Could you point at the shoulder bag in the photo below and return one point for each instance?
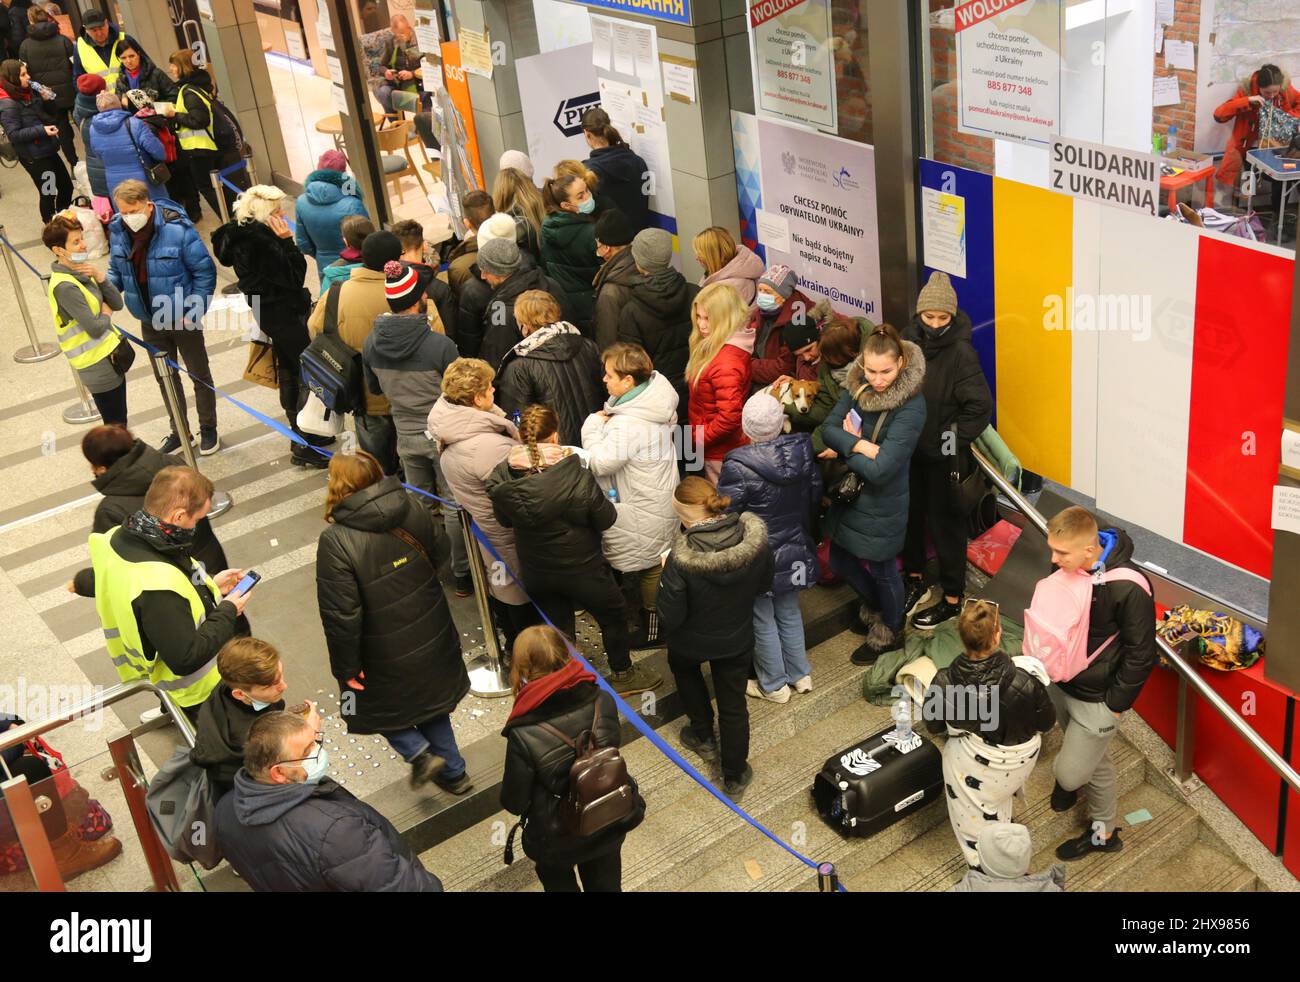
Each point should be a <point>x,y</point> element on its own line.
<point>159,173</point>
<point>848,487</point>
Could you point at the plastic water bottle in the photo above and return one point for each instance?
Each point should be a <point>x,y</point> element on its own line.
<point>1171,140</point>
<point>1157,143</point>
<point>514,418</point>
<point>612,494</point>
<point>902,713</point>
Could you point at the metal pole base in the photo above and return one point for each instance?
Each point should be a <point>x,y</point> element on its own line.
<point>487,679</point>
<point>221,503</point>
<point>28,354</point>
<point>79,413</point>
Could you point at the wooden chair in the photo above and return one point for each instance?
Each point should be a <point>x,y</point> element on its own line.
<point>395,154</point>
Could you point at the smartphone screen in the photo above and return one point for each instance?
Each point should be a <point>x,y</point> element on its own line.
<point>855,418</point>
<point>250,580</point>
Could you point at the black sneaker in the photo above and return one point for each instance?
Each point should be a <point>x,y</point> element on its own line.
<point>694,743</point>
<point>1062,800</point>
<point>646,633</point>
<point>209,442</point>
<point>457,786</point>
<point>932,617</point>
<point>425,767</point>
<point>307,457</point>
<point>172,444</point>
<point>465,586</point>
<point>917,593</point>
<point>1084,845</point>
<point>734,787</point>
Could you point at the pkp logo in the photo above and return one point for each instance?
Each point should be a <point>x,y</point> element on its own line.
<point>568,118</point>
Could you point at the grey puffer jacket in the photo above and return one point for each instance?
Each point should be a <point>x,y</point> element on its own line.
<point>633,453</point>
<point>1050,880</point>
<point>471,443</point>
<point>405,361</point>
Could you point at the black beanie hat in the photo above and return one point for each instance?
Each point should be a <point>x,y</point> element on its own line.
<point>380,248</point>
<point>613,228</point>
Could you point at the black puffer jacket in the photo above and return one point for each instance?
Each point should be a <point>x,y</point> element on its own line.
<point>557,514</point>
<point>48,54</point>
<point>557,369</point>
<point>1117,675</point>
<point>658,317</point>
<point>622,179</point>
<point>707,590</point>
<point>1023,706</point>
<point>613,286</point>
<point>301,838</point>
<point>384,612</point>
<point>221,735</point>
<point>956,392</point>
<point>124,486</point>
<point>271,269</point>
<point>494,331</point>
<point>151,78</point>
<point>537,771</point>
<point>24,122</point>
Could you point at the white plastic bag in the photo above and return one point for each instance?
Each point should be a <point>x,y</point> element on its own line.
<point>93,232</point>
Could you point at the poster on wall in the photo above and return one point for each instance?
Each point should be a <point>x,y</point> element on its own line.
<point>555,89</point>
<point>943,225</point>
<point>795,74</point>
<point>1009,69</point>
<point>458,90</point>
<point>819,200</point>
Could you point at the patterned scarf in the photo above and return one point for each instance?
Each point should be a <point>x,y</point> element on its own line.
<point>161,535</point>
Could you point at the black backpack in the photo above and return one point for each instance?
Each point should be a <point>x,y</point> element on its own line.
<point>330,368</point>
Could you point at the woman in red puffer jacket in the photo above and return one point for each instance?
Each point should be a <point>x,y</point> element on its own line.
<point>1268,84</point>
<point>718,373</point>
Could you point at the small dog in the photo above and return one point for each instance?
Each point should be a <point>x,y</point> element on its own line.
<point>798,393</point>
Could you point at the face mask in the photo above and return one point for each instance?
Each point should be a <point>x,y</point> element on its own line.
<point>316,768</point>
<point>136,221</point>
<point>78,257</point>
<point>258,705</point>
<point>767,302</point>
<point>587,207</point>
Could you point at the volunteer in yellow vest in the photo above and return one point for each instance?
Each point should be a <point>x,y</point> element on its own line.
<point>164,616</point>
<point>96,50</point>
<point>192,115</point>
<point>81,297</point>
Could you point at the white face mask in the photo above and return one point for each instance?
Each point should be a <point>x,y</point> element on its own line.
<point>136,221</point>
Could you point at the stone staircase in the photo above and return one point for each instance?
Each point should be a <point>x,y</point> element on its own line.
<point>690,841</point>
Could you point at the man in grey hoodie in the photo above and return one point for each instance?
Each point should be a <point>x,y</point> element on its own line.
<point>1005,851</point>
<point>286,827</point>
<point>405,361</point>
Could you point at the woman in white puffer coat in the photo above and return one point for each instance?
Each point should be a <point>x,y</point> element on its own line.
<point>632,452</point>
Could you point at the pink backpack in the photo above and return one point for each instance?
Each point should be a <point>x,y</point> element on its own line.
<point>1056,621</point>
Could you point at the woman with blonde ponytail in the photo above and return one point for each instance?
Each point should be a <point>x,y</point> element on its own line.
<point>717,565</point>
<point>545,493</point>
<point>718,373</point>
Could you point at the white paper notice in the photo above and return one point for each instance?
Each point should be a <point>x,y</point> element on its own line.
<point>340,99</point>
<point>943,221</point>
<point>336,69</point>
<point>426,36</point>
<point>1286,509</point>
<point>431,76</point>
<point>624,49</point>
<point>1291,449</point>
<point>1164,11</point>
<point>1160,37</point>
<point>323,33</point>
<point>643,39</point>
<point>602,40</point>
<point>293,41</point>
<point>1180,54</point>
<point>616,100</point>
<point>773,230</point>
<point>1166,91</point>
<point>679,81</point>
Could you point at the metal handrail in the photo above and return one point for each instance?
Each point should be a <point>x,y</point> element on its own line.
<point>93,705</point>
<point>1188,675</point>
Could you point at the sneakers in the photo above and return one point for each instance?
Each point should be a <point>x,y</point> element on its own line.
<point>209,442</point>
<point>781,695</point>
<point>1086,845</point>
<point>425,767</point>
<point>1062,800</point>
<point>696,744</point>
<point>646,633</point>
<point>465,586</point>
<point>917,594</point>
<point>734,787</point>
<point>457,786</point>
<point>173,443</point>
<point>879,640</point>
<point>803,685</point>
<point>301,456</point>
<point>932,617</point>
<point>149,715</point>
<point>636,679</point>
<point>74,856</point>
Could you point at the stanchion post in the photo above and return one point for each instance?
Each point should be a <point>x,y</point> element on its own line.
<point>38,350</point>
<point>827,879</point>
<point>230,289</point>
<point>221,501</point>
<point>487,678</point>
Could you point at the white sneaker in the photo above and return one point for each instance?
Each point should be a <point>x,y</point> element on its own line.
<point>781,695</point>
<point>149,715</point>
<point>804,684</point>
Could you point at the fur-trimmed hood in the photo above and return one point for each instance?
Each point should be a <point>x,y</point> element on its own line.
<point>720,550</point>
<point>907,384</point>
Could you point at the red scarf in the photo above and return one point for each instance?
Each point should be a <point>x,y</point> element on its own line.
<point>18,93</point>
<point>538,691</point>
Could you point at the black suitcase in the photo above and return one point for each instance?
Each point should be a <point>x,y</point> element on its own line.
<point>873,784</point>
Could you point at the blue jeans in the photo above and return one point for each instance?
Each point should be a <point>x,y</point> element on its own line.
<point>780,657</point>
<point>433,734</point>
<point>880,585</point>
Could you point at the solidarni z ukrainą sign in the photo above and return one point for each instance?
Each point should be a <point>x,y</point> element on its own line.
<point>1111,175</point>
<point>677,11</point>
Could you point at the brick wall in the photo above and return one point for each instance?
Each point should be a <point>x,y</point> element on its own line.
<point>950,146</point>
<point>1186,27</point>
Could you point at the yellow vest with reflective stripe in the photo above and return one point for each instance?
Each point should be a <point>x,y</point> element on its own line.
<point>94,64</point>
<point>195,139</point>
<point>82,350</point>
<point>118,582</point>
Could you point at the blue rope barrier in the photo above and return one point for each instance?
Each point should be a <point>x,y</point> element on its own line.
<point>628,712</point>
<point>21,257</point>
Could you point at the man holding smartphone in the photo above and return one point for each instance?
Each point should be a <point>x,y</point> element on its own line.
<point>164,616</point>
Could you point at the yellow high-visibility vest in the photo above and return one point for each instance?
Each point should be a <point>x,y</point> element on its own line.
<point>195,139</point>
<point>94,64</point>
<point>82,350</point>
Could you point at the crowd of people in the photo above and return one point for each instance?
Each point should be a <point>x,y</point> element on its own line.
<point>627,445</point>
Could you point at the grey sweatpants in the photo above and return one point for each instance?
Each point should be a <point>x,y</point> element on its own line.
<point>1084,760</point>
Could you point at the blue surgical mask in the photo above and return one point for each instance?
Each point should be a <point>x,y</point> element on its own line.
<point>587,207</point>
<point>767,302</point>
<point>258,705</point>
<point>316,767</point>
<point>78,257</point>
